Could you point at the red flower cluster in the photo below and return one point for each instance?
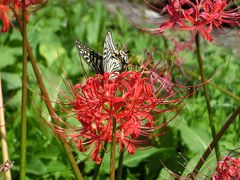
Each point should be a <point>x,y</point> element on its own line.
<point>228,168</point>
<point>6,7</point>
<point>197,15</point>
<point>131,99</point>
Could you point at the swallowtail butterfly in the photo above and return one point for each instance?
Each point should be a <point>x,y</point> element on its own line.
<point>112,60</point>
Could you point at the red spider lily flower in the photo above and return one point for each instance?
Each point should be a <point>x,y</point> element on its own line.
<point>7,7</point>
<point>200,16</point>
<point>131,99</point>
<point>4,10</point>
<point>228,168</point>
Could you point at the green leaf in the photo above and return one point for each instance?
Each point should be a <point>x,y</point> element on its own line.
<point>50,153</point>
<point>132,160</point>
<point>13,80</point>
<point>54,166</point>
<point>15,36</point>
<point>196,139</point>
<point>52,52</point>
<point>165,174</point>
<point>8,56</point>
<point>209,165</point>
<point>15,100</point>
<point>95,26</point>
<point>36,166</point>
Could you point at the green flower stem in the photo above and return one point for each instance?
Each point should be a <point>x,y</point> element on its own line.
<point>49,105</point>
<point>214,142</point>
<point>23,142</point>
<point>99,165</point>
<point>220,88</point>
<point>206,95</point>
<point>3,133</point>
<point>120,165</point>
<point>113,150</point>
<point>47,101</point>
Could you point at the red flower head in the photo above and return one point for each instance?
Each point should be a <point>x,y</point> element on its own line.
<point>131,99</point>
<point>197,15</point>
<point>4,10</point>
<point>7,7</point>
<point>228,168</point>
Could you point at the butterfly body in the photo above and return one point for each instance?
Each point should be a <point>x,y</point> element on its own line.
<point>112,60</point>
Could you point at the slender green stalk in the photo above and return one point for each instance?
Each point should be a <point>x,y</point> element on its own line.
<point>49,105</point>
<point>3,133</point>
<point>24,98</point>
<point>213,143</point>
<point>47,101</point>
<point>113,150</point>
<point>120,165</point>
<point>97,168</point>
<point>206,95</point>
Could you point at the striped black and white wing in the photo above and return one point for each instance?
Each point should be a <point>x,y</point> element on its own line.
<point>93,59</point>
<point>108,50</point>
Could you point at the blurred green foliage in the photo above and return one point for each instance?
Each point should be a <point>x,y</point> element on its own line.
<point>52,31</point>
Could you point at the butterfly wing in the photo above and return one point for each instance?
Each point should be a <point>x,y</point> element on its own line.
<point>109,63</point>
<point>93,59</point>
